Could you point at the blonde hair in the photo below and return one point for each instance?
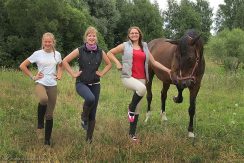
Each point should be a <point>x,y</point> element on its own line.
<point>89,30</point>
<point>48,34</point>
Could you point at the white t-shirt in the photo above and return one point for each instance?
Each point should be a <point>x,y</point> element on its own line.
<point>46,63</point>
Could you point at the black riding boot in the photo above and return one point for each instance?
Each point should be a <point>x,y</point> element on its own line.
<point>135,100</point>
<point>133,125</point>
<point>48,131</point>
<point>85,117</point>
<point>90,130</point>
<point>41,111</point>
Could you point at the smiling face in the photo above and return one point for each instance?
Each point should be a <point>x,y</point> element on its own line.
<point>91,38</point>
<point>48,42</point>
<point>134,35</point>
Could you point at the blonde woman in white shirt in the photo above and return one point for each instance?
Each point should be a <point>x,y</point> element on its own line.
<point>47,60</point>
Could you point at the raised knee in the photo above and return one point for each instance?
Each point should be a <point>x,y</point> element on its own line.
<point>43,101</point>
<point>142,91</point>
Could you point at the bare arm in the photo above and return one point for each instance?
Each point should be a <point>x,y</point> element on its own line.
<point>158,65</point>
<point>74,54</point>
<point>111,55</point>
<point>60,71</point>
<point>24,67</point>
<point>107,67</point>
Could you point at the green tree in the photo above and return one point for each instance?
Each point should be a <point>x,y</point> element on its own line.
<point>227,48</point>
<point>230,15</point>
<point>139,13</point>
<point>182,18</point>
<point>148,17</point>
<point>187,15</point>
<point>27,20</point>
<point>206,14</point>
<point>105,16</point>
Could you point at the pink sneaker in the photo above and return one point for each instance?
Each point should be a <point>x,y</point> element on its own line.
<point>131,118</point>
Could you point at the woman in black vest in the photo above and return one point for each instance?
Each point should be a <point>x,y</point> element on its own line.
<point>88,77</point>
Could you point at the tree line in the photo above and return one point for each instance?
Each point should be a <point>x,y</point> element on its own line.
<point>22,22</point>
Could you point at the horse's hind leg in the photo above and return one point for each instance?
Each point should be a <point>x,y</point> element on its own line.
<point>149,94</point>
<point>179,98</point>
<point>163,100</point>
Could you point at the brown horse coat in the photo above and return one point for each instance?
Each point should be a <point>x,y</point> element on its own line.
<point>185,59</point>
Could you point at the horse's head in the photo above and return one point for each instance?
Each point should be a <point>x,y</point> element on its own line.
<point>189,49</point>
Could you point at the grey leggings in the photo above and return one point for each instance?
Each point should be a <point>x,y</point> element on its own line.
<point>47,95</point>
<point>137,85</point>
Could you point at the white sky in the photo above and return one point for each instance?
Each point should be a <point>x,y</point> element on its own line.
<point>213,4</point>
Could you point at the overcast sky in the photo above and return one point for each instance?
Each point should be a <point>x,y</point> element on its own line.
<point>213,4</point>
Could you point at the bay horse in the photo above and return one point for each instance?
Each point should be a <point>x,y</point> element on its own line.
<point>185,59</point>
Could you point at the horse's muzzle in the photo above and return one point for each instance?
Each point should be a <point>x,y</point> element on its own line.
<point>186,82</point>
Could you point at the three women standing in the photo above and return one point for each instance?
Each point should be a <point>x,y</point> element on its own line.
<point>135,58</point>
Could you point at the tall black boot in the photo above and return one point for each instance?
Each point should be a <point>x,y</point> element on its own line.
<point>132,131</point>
<point>41,111</point>
<point>48,131</point>
<point>85,117</point>
<point>135,100</point>
<point>90,130</point>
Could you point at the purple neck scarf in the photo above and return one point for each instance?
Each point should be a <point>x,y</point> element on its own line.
<point>91,47</point>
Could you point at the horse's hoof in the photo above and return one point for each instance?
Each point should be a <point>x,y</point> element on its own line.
<point>177,99</point>
<point>163,116</point>
<point>148,114</point>
<point>191,135</point>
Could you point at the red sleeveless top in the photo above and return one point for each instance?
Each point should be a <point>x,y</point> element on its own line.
<point>138,64</point>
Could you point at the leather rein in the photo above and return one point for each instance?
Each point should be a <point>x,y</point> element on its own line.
<point>191,76</point>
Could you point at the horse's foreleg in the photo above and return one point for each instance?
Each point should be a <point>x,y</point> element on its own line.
<point>179,98</point>
<point>149,95</point>
<point>192,108</point>
<point>163,100</point>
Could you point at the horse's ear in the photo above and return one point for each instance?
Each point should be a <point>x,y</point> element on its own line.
<point>176,42</point>
<point>193,41</point>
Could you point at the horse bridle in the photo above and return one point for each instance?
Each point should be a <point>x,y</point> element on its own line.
<point>190,77</point>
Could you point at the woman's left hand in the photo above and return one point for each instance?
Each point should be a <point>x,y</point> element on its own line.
<point>99,73</point>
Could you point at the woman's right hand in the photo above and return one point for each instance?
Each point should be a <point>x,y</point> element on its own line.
<point>76,74</point>
<point>38,76</point>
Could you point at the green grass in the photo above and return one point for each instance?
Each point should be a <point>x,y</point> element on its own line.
<point>219,121</point>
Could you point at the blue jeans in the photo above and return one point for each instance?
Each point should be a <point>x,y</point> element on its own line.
<point>90,94</point>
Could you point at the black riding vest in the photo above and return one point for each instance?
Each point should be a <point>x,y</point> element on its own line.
<point>89,62</point>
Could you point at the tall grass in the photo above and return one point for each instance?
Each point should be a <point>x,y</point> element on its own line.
<point>219,126</point>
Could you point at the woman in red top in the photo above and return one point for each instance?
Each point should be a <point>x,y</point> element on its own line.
<point>134,74</point>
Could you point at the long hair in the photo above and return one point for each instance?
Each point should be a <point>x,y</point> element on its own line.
<point>140,35</point>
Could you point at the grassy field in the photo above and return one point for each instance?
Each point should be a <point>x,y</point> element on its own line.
<point>219,124</point>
